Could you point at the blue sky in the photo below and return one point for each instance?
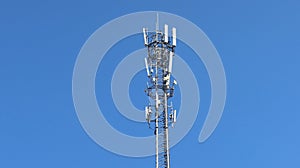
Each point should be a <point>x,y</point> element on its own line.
<point>258,42</point>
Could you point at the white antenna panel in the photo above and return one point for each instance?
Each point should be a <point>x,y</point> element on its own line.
<point>147,68</point>
<point>174,117</point>
<point>166,39</point>
<point>174,36</point>
<point>145,36</point>
<point>146,113</point>
<point>170,61</point>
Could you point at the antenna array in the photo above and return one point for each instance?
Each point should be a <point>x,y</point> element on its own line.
<point>160,88</point>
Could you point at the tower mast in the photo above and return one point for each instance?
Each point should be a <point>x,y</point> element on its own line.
<point>159,113</point>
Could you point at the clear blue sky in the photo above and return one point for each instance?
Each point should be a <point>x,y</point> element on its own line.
<point>257,40</point>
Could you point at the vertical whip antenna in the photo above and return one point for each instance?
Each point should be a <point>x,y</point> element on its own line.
<point>157,22</point>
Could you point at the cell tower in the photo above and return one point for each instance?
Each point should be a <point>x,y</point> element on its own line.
<point>159,113</point>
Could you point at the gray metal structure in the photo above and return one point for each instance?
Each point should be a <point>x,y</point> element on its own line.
<point>159,113</point>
